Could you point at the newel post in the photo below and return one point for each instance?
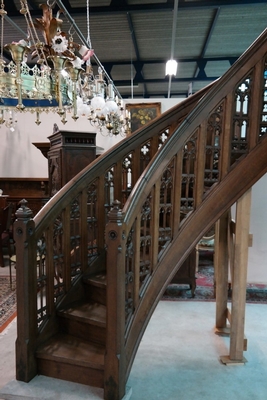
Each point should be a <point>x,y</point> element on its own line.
<point>114,376</point>
<point>23,235</point>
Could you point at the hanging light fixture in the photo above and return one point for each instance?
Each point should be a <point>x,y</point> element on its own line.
<point>171,65</point>
<point>62,79</point>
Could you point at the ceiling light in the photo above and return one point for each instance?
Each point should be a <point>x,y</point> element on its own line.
<point>171,67</point>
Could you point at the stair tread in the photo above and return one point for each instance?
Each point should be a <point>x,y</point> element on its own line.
<point>96,280</point>
<point>72,350</point>
<point>87,312</point>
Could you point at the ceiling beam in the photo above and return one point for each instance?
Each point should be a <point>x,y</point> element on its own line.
<point>198,60</point>
<point>208,37</point>
<point>163,80</point>
<point>121,7</point>
<point>136,49</point>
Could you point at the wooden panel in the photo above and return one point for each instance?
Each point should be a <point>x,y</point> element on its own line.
<point>34,190</point>
<point>70,152</point>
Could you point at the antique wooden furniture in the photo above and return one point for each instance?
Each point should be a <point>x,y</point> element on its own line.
<point>69,153</point>
<point>3,200</point>
<point>5,236</point>
<point>35,190</point>
<point>205,244</point>
<point>187,273</point>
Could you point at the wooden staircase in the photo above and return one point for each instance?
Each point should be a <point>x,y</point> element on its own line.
<point>77,352</point>
<point>94,262</point>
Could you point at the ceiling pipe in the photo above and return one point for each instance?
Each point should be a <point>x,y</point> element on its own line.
<point>174,24</point>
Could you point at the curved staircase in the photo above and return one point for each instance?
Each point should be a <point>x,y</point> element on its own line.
<point>95,261</point>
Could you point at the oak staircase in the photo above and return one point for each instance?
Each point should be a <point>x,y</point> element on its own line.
<point>94,262</point>
<point>79,347</point>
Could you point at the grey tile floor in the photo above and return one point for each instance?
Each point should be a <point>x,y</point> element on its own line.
<point>178,359</point>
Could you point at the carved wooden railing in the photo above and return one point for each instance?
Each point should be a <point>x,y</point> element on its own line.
<point>217,153</point>
<point>214,155</point>
<point>66,238</point>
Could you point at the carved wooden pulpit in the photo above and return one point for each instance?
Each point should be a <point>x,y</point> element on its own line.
<point>69,153</point>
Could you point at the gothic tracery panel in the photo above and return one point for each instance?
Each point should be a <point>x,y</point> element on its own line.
<point>42,312</point>
<point>240,135</point>
<point>75,239</point>
<point>127,170</point>
<point>145,243</point>
<point>166,206</point>
<point>58,259</point>
<point>129,277</point>
<point>263,120</point>
<point>188,176</point>
<point>213,147</point>
<point>92,222</point>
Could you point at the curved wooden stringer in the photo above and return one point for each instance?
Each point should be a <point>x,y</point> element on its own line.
<point>227,192</point>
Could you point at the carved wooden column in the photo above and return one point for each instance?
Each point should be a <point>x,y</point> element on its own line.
<point>115,362</point>
<point>26,367</point>
<point>70,152</point>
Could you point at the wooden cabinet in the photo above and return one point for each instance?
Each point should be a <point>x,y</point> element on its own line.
<point>69,153</point>
<point>187,273</point>
<point>34,190</point>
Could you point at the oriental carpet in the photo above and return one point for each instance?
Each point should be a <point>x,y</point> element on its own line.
<point>255,293</point>
<point>8,305</point>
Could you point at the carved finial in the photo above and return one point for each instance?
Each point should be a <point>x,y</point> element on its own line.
<point>24,213</point>
<point>116,204</point>
<point>115,214</point>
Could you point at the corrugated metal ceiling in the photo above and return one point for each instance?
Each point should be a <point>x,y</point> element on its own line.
<point>132,38</point>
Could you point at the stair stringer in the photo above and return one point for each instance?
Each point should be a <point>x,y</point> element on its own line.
<point>242,177</point>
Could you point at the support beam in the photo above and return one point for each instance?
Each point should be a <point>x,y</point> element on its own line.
<point>239,283</point>
<point>221,273</point>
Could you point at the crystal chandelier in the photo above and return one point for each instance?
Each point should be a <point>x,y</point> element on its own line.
<point>62,79</point>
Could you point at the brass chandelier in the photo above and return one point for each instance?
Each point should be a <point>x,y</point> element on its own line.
<point>62,79</point>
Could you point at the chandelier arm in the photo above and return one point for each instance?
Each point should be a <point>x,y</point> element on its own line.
<point>33,32</point>
<point>82,38</point>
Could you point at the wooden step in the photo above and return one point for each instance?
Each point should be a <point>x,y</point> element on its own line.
<point>96,280</point>
<point>95,287</point>
<point>85,320</point>
<point>73,359</point>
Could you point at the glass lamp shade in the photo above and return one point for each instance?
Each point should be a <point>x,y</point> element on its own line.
<point>111,106</point>
<point>97,103</point>
<point>82,109</point>
<point>101,113</point>
<point>171,67</point>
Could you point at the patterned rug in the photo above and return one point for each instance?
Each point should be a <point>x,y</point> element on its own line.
<point>8,307</point>
<point>256,293</point>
